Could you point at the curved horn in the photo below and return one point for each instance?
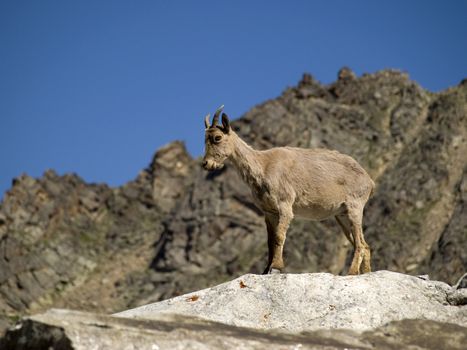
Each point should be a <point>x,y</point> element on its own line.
<point>206,121</point>
<point>215,120</point>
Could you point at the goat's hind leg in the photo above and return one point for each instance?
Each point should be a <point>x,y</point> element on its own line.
<point>346,228</point>
<point>366,263</point>
<point>360,258</point>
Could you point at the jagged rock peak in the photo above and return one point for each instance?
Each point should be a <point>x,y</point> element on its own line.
<point>170,168</point>
<point>345,73</point>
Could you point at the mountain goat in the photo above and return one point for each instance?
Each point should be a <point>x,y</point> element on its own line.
<point>314,184</point>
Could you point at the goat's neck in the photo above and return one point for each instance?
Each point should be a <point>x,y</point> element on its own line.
<point>247,162</point>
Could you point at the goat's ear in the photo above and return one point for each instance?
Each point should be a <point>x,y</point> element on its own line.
<point>225,123</point>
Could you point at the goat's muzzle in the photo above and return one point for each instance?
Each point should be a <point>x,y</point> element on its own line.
<point>211,165</point>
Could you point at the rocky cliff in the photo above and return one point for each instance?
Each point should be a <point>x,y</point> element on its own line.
<point>176,228</point>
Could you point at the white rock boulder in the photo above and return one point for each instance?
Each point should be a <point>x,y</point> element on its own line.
<point>305,302</point>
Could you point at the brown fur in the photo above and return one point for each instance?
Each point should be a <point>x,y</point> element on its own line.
<point>314,184</point>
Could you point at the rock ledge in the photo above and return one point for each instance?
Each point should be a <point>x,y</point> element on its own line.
<point>379,310</point>
<point>304,302</point>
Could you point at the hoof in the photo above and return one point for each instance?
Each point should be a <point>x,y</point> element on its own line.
<point>271,270</point>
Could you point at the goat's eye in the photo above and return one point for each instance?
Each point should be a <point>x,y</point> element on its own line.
<point>217,138</point>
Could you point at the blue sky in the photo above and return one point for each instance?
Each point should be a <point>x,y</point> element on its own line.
<point>95,87</point>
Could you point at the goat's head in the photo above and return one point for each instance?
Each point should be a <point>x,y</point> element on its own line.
<point>218,146</point>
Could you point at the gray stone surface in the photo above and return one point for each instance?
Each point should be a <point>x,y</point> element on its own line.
<point>304,302</point>
<point>66,330</point>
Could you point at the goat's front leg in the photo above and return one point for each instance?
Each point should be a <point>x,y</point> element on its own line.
<point>272,221</point>
<point>277,225</point>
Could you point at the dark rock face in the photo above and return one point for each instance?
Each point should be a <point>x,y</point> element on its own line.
<point>61,237</point>
<point>176,228</point>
